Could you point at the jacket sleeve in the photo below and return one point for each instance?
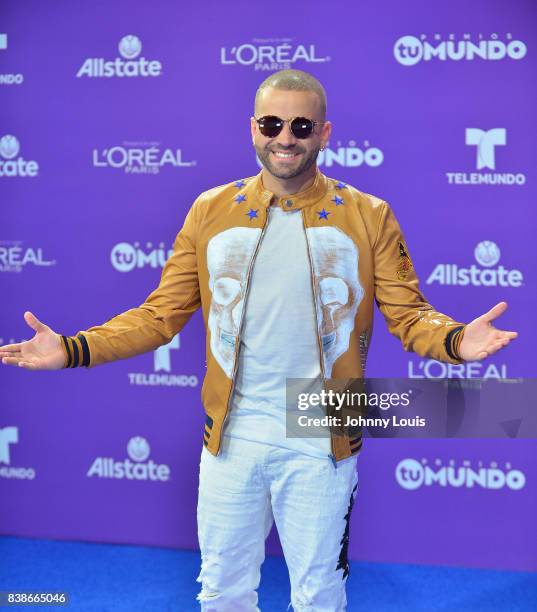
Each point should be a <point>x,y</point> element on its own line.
<point>409,316</point>
<point>155,322</point>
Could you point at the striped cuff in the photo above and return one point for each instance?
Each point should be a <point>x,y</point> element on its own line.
<point>76,351</point>
<point>453,342</point>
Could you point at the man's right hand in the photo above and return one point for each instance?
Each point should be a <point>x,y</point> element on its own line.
<point>43,352</point>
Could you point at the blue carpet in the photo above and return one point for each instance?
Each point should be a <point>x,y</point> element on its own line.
<point>116,578</point>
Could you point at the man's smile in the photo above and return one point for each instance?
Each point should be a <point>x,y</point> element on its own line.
<point>285,155</point>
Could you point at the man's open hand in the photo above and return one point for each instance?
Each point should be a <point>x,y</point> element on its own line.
<point>43,352</point>
<point>481,339</point>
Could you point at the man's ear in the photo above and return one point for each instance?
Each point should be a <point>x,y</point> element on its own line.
<point>326,132</point>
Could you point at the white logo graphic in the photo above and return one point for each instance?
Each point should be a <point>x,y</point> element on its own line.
<point>430,368</point>
<point>350,155</point>
<point>138,448</point>
<point>9,78</point>
<point>412,474</point>
<point>270,54</point>
<point>126,257</point>
<point>13,257</point>
<point>10,435</point>
<point>162,359</point>
<point>136,467</point>
<point>9,146</point>
<point>130,46</point>
<point>487,254</point>
<point>410,50</point>
<point>139,158</point>
<point>13,165</point>
<point>131,65</point>
<point>162,362</point>
<point>485,141</point>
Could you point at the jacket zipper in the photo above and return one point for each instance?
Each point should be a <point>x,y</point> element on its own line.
<point>319,341</point>
<point>238,340</point>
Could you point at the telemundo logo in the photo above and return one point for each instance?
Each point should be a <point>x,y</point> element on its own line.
<point>136,467</point>
<point>485,143</point>
<point>10,436</point>
<point>128,65</point>
<point>410,50</point>
<point>411,475</point>
<point>487,254</point>
<point>162,369</point>
<point>9,78</point>
<point>11,165</point>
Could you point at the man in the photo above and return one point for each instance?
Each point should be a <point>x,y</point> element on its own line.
<point>286,266</point>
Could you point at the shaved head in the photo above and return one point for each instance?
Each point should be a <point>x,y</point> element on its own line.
<point>293,80</point>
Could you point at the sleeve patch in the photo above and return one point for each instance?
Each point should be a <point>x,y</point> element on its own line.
<point>404,264</point>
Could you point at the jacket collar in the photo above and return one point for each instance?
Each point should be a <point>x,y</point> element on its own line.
<point>313,194</point>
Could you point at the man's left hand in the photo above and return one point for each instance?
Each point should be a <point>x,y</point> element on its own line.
<point>481,339</point>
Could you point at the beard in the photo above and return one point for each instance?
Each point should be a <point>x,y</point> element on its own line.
<point>286,173</point>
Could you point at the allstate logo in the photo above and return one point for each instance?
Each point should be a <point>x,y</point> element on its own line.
<point>409,474</point>
<point>128,64</point>
<point>13,165</point>
<point>130,46</point>
<point>138,448</point>
<point>487,253</point>
<point>408,50</point>
<point>9,146</point>
<point>486,274</point>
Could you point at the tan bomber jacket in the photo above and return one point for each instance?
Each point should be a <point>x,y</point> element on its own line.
<point>357,255</point>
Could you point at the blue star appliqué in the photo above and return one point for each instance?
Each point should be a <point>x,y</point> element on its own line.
<point>323,214</point>
<point>240,198</point>
<point>341,185</point>
<point>252,213</point>
<point>239,184</point>
<point>337,200</point>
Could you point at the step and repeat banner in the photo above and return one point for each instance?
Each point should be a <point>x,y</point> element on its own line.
<point>115,116</point>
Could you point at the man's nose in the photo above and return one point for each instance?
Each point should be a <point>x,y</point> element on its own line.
<point>286,138</point>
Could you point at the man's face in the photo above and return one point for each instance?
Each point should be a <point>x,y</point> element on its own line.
<point>296,155</point>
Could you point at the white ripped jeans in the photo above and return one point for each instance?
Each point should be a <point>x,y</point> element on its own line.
<point>241,492</point>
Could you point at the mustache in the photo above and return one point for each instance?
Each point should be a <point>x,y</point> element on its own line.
<point>291,149</point>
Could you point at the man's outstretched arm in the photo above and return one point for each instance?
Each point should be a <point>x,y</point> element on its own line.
<point>138,330</point>
<point>412,319</point>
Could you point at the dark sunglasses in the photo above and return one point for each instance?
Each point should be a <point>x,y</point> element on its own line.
<point>301,127</point>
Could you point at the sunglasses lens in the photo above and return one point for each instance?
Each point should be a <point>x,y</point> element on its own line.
<point>270,126</point>
<point>302,127</point>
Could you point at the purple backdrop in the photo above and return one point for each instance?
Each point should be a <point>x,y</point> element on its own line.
<point>114,117</point>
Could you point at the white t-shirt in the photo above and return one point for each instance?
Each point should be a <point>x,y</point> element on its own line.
<point>278,339</point>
